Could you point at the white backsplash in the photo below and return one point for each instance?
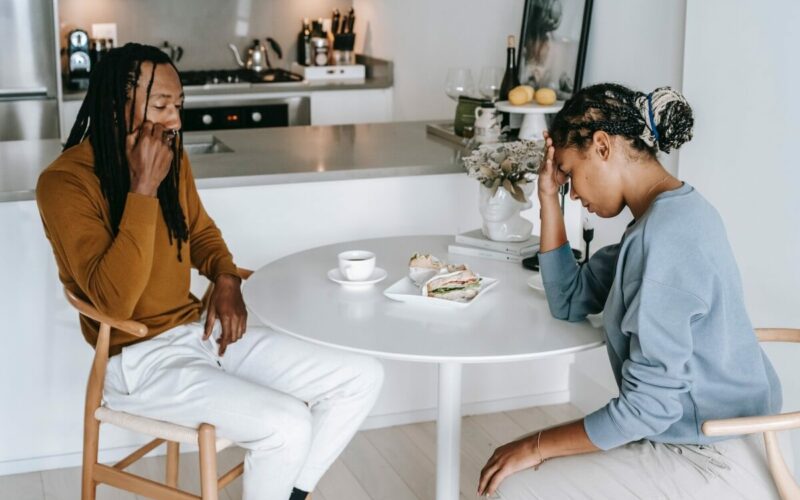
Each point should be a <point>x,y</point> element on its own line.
<point>204,28</point>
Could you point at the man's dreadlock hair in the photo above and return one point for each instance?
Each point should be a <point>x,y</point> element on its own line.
<point>661,120</point>
<point>101,119</point>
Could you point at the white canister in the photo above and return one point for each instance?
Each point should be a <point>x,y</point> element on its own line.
<point>487,126</point>
<point>320,53</point>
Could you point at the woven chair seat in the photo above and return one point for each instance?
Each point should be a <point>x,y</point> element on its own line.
<point>155,428</point>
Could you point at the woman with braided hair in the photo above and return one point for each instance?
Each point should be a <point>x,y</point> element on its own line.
<point>679,340</point>
<point>126,223</point>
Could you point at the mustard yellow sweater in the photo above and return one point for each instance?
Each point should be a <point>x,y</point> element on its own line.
<point>135,275</point>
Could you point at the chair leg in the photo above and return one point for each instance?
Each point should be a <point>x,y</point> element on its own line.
<point>207,440</point>
<point>784,480</point>
<point>173,455</point>
<point>91,436</point>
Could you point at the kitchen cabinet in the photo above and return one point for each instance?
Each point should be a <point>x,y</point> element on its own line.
<point>42,410</point>
<point>351,106</point>
<point>69,112</point>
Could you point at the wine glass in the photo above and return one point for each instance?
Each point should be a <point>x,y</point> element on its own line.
<point>489,85</point>
<point>459,82</point>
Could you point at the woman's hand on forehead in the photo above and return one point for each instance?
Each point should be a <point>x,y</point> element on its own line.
<point>550,178</point>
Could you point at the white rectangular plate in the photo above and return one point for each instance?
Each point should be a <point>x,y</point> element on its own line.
<point>405,291</point>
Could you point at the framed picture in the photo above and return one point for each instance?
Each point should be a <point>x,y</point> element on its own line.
<point>552,47</point>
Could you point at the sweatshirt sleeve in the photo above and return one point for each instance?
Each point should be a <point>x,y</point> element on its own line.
<point>112,271</point>
<point>209,253</point>
<point>573,290</point>
<point>655,376</point>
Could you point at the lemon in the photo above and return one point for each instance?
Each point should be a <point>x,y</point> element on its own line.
<point>518,96</point>
<point>545,96</point>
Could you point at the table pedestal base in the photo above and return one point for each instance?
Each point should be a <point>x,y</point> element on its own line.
<point>448,432</point>
<point>533,126</point>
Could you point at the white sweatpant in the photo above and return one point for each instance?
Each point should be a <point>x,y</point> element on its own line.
<point>643,470</point>
<point>292,404</point>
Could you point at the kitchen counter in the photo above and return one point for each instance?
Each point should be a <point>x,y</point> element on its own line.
<point>379,75</point>
<point>271,156</point>
<point>267,88</point>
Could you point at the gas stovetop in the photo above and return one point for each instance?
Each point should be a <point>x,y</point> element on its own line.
<point>237,78</point>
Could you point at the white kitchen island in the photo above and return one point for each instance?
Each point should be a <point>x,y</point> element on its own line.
<point>279,192</point>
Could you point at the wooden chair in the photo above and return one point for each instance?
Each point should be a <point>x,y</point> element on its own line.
<point>768,425</point>
<point>204,436</point>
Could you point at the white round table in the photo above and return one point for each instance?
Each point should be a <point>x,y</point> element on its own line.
<point>510,323</point>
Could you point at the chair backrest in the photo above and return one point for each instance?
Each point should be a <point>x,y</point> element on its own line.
<point>768,425</point>
<point>783,477</point>
<point>778,334</point>
<point>97,375</point>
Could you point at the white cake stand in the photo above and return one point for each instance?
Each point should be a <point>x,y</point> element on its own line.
<point>533,123</point>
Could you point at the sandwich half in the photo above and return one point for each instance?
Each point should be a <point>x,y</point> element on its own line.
<point>423,267</point>
<point>460,286</point>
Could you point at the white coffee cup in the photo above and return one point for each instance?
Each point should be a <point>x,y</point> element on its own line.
<point>356,265</point>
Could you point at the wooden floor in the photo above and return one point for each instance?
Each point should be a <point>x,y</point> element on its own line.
<point>395,463</point>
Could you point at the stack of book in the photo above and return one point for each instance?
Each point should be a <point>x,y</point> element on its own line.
<point>475,244</point>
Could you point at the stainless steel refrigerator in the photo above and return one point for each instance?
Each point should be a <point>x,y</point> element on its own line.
<point>28,66</point>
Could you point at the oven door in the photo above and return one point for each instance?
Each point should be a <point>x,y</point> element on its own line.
<point>227,114</point>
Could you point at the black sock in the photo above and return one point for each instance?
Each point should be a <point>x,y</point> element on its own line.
<point>298,494</point>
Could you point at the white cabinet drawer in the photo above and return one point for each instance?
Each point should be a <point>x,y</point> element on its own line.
<point>341,107</point>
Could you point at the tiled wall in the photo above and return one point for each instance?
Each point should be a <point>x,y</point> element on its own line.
<point>204,28</point>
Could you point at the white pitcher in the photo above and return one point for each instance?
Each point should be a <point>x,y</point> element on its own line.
<point>487,125</point>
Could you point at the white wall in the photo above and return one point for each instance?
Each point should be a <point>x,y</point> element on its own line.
<point>202,27</point>
<point>637,43</point>
<point>740,75</point>
<point>424,38</point>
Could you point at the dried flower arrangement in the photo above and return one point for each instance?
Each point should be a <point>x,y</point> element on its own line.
<point>509,164</point>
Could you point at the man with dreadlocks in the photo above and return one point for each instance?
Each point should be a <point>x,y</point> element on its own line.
<point>126,224</point>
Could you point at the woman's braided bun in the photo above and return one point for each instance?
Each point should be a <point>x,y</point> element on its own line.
<point>661,120</point>
<point>672,116</point>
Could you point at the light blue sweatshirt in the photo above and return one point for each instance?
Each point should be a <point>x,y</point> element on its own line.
<point>680,342</point>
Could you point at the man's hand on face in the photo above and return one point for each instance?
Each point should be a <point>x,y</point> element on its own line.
<point>227,305</point>
<point>149,153</point>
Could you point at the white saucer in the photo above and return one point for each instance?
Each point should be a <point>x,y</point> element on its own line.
<point>378,275</point>
<point>535,282</point>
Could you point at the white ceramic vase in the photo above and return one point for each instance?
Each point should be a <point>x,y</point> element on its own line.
<point>501,214</point>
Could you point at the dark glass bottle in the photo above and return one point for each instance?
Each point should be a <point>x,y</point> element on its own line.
<point>304,44</point>
<point>510,77</point>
